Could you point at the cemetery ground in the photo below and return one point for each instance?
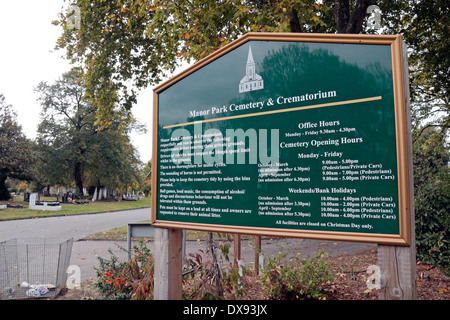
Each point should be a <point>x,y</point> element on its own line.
<point>349,284</point>
<point>68,209</point>
<point>350,270</point>
<point>350,273</point>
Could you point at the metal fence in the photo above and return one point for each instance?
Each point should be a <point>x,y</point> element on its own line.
<point>33,267</point>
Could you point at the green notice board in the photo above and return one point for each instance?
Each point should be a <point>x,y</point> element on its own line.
<point>286,136</point>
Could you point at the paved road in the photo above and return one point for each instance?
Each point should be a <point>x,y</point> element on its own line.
<point>85,254</point>
<point>76,226</point>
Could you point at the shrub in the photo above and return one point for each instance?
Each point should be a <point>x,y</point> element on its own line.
<point>126,280</point>
<point>298,279</point>
<point>209,280</point>
<point>433,222</point>
<point>432,199</point>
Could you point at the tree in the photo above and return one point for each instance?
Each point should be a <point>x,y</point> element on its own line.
<point>128,45</point>
<point>113,162</point>
<point>432,199</point>
<point>66,127</point>
<point>114,50</point>
<point>424,28</point>
<point>16,151</point>
<point>147,178</point>
<point>124,46</point>
<point>71,147</point>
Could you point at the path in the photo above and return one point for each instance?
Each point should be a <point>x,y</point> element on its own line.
<point>76,226</point>
<point>85,253</point>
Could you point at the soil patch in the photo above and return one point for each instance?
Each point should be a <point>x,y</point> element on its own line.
<point>350,282</point>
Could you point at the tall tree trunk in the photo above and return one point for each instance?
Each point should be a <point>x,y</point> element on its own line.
<point>342,15</point>
<point>357,18</point>
<point>295,22</point>
<point>77,175</point>
<point>4,193</point>
<point>346,23</point>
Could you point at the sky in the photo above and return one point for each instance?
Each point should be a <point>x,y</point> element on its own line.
<point>27,57</point>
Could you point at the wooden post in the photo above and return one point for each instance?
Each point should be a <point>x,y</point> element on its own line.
<point>398,264</point>
<point>237,249</point>
<point>398,273</point>
<point>257,250</point>
<point>168,264</point>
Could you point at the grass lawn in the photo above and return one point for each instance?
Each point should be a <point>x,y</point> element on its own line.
<point>120,233</point>
<point>68,209</point>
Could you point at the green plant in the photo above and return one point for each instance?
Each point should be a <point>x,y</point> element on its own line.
<point>203,282</point>
<point>233,277</point>
<point>126,280</point>
<point>142,267</point>
<point>432,199</point>
<point>198,280</point>
<point>298,279</point>
<point>112,282</point>
<point>433,221</point>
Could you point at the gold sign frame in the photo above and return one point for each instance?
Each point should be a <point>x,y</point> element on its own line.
<point>403,142</point>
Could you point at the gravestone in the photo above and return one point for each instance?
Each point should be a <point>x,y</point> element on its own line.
<point>35,204</point>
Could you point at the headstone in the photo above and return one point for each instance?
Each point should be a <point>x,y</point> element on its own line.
<point>35,204</point>
<point>32,200</point>
<point>94,197</point>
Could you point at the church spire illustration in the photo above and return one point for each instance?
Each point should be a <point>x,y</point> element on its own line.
<point>252,81</point>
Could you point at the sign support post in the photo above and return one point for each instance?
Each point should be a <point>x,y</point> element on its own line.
<point>237,249</point>
<point>314,146</point>
<point>168,264</point>
<point>398,263</point>
<point>257,251</point>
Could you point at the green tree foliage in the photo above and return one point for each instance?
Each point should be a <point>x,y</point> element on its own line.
<point>16,151</point>
<point>124,46</point>
<point>113,48</point>
<point>127,45</point>
<point>113,161</point>
<point>424,27</point>
<point>146,178</point>
<point>432,194</point>
<point>71,149</point>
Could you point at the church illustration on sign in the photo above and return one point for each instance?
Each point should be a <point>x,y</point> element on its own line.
<point>252,81</point>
